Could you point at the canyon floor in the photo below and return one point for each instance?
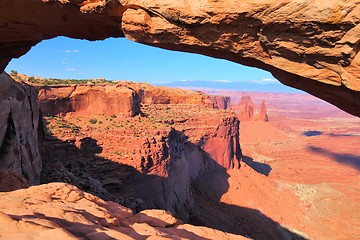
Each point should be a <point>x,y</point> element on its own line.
<point>310,149</point>
<point>299,171</point>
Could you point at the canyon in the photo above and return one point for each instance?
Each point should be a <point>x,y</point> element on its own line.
<point>283,181</point>
<point>145,161</point>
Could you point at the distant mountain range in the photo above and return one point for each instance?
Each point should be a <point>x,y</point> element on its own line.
<point>273,86</point>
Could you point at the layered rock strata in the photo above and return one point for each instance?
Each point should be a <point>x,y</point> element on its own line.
<point>221,102</point>
<point>87,99</point>
<point>156,174</point>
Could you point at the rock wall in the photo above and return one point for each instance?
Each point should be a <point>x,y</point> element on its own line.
<point>122,98</point>
<point>309,45</point>
<point>165,95</point>
<point>221,102</point>
<point>20,130</point>
<point>85,99</point>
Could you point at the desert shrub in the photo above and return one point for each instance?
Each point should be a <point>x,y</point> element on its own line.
<point>93,121</point>
<point>117,153</point>
<point>13,73</point>
<point>113,116</point>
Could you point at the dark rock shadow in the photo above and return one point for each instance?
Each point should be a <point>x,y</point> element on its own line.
<point>312,133</point>
<point>343,158</point>
<point>261,168</point>
<point>122,183</point>
<point>210,211</point>
<point>81,230</point>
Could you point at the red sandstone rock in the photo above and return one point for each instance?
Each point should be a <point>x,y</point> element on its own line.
<point>87,99</point>
<point>246,100</point>
<point>262,113</point>
<point>167,160</point>
<point>247,112</point>
<point>245,108</point>
<point>223,146</point>
<point>61,211</point>
<point>221,102</point>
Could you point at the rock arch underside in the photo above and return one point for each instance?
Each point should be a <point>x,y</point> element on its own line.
<point>305,44</point>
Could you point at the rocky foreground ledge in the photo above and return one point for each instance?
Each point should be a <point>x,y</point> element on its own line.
<point>62,211</point>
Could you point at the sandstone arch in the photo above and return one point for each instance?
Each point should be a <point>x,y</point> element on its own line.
<point>309,45</point>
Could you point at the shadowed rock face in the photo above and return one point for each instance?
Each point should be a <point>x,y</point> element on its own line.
<point>309,45</point>
<point>19,132</point>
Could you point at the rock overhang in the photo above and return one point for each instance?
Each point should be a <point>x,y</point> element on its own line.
<point>312,46</point>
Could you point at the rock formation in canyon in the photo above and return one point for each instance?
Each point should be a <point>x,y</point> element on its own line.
<point>170,145</point>
<point>159,174</point>
<point>221,102</point>
<point>311,45</point>
<point>247,112</point>
<point>262,113</point>
<point>246,100</point>
<point>20,131</point>
<point>245,109</point>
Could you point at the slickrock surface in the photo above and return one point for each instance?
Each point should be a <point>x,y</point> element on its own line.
<point>309,45</point>
<point>62,211</point>
<point>20,133</point>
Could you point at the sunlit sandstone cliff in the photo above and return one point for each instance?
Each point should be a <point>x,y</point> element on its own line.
<point>191,138</point>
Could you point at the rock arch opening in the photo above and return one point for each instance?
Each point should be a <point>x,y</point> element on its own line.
<point>121,59</point>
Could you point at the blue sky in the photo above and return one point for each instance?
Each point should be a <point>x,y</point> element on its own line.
<point>121,59</point>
